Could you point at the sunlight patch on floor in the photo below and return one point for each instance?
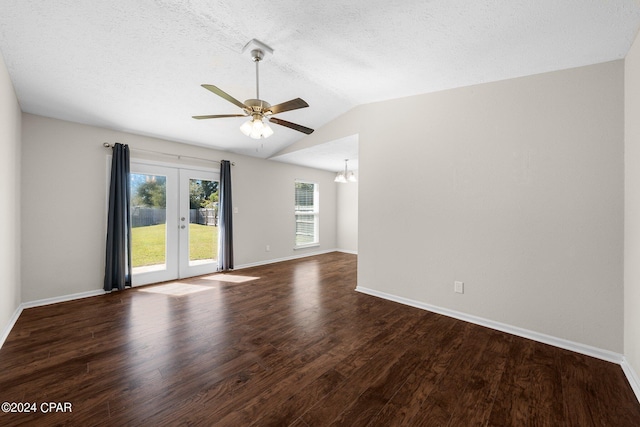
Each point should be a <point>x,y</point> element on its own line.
<point>176,289</point>
<point>229,278</point>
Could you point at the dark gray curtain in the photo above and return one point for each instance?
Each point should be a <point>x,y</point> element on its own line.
<point>225,232</point>
<point>117,274</point>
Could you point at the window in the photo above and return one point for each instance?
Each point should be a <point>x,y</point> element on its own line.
<point>306,212</point>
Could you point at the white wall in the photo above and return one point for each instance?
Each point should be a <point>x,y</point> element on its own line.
<point>632,208</point>
<point>64,214</point>
<point>347,216</point>
<point>513,187</point>
<point>10,141</point>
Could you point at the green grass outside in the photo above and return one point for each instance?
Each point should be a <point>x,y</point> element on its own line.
<point>148,244</point>
<point>203,242</point>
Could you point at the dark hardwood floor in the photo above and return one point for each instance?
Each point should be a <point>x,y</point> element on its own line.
<point>291,344</point>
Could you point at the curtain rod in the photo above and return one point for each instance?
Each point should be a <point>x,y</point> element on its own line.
<point>179,156</point>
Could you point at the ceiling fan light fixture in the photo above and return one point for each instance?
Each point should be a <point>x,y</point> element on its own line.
<point>247,127</point>
<point>256,128</point>
<point>266,131</point>
<point>257,109</point>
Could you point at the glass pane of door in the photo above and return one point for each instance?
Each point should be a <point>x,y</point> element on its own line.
<point>148,222</point>
<point>154,231</point>
<point>198,222</point>
<point>203,221</point>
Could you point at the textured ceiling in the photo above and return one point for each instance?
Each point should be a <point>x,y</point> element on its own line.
<point>137,66</point>
<point>325,155</point>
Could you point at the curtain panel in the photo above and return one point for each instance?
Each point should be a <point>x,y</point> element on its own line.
<point>225,233</point>
<point>117,273</point>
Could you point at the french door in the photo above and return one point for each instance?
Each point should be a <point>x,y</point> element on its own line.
<point>174,222</point>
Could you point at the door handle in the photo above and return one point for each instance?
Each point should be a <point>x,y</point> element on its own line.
<point>182,219</point>
<point>183,226</point>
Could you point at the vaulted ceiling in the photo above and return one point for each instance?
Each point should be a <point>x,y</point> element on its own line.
<point>138,65</point>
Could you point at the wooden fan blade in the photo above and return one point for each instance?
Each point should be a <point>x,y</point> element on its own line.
<point>293,126</point>
<point>294,104</point>
<point>218,116</point>
<point>224,95</point>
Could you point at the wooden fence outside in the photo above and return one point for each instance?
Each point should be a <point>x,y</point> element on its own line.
<point>143,217</point>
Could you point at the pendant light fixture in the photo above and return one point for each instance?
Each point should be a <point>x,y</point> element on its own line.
<point>346,176</point>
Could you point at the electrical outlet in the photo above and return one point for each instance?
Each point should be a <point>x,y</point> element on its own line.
<point>267,248</point>
<point>458,287</point>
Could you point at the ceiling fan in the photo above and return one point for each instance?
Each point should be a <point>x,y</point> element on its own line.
<point>257,109</point>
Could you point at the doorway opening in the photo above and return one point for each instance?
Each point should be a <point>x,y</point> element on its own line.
<point>174,222</point>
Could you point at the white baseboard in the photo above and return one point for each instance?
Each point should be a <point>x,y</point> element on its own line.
<point>62,298</point>
<point>632,377</point>
<point>588,350</point>
<point>289,258</point>
<point>9,326</point>
<point>7,329</point>
<point>347,251</point>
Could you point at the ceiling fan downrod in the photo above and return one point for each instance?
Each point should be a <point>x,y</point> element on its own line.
<point>257,55</point>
